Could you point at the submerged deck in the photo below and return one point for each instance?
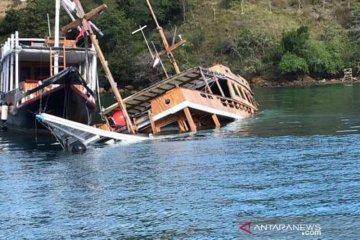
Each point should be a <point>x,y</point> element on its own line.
<point>191,110</point>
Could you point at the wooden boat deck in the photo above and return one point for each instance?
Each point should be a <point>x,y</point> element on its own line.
<point>191,79</point>
<point>165,108</point>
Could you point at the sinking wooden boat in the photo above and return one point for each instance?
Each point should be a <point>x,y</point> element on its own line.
<point>196,99</point>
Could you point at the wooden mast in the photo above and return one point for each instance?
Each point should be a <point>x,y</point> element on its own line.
<point>87,27</point>
<point>164,40</point>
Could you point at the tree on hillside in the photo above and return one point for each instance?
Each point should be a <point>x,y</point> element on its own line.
<point>355,28</point>
<point>295,40</point>
<point>118,44</point>
<point>167,11</point>
<point>291,64</point>
<point>30,21</point>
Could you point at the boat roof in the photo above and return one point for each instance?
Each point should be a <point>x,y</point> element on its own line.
<point>190,79</point>
<point>73,55</point>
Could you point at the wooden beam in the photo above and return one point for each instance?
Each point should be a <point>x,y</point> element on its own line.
<point>85,23</point>
<point>182,125</point>
<point>173,47</point>
<point>88,16</point>
<point>190,120</point>
<point>205,80</point>
<point>112,82</point>
<point>216,121</point>
<point>219,86</point>
<point>152,123</point>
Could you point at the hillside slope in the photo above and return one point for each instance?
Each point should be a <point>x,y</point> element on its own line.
<point>8,4</point>
<point>250,36</point>
<point>242,35</point>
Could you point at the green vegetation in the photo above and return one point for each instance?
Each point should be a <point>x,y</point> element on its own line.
<point>291,64</point>
<point>274,39</point>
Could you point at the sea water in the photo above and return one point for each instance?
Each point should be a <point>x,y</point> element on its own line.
<point>290,172</point>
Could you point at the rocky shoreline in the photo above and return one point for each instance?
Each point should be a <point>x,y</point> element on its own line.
<point>305,82</point>
<point>259,83</point>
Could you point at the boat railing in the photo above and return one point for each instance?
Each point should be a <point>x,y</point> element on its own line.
<point>10,63</point>
<point>229,102</point>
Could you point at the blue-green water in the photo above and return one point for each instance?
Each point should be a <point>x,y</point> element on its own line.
<point>296,162</point>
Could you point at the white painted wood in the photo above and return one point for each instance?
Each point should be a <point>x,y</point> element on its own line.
<point>57,36</point>
<point>17,59</point>
<point>44,117</point>
<point>12,46</point>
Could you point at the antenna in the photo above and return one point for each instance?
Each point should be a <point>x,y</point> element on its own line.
<point>48,21</point>
<point>174,36</point>
<point>147,44</point>
<point>157,58</point>
<point>164,40</point>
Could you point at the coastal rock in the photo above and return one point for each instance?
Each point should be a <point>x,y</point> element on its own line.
<point>259,82</point>
<point>308,79</point>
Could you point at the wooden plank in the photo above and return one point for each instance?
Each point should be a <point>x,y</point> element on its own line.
<point>205,80</point>
<point>190,120</point>
<point>216,121</point>
<point>181,125</point>
<point>88,16</point>
<point>152,123</point>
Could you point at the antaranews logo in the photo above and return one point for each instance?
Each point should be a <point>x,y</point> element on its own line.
<point>246,227</point>
<point>304,229</point>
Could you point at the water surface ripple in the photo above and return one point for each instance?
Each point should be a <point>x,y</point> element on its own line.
<point>293,163</point>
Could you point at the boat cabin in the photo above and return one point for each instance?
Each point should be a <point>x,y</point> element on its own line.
<point>26,62</point>
<point>196,99</point>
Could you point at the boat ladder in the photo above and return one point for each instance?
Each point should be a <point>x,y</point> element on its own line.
<point>61,59</point>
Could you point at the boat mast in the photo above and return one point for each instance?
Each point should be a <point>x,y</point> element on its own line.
<point>57,36</point>
<point>84,20</point>
<point>164,40</point>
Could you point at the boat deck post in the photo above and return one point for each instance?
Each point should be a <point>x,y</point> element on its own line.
<point>190,120</point>
<point>17,59</point>
<point>152,123</point>
<point>216,121</point>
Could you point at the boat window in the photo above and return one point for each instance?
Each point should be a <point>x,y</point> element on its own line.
<point>224,86</point>
<point>215,89</point>
<point>246,96</point>
<point>249,97</point>
<point>241,92</point>
<point>236,90</point>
